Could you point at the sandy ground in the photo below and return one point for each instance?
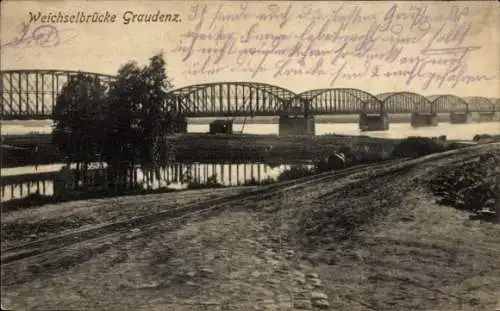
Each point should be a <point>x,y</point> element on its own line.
<point>51,219</point>
<point>381,244</point>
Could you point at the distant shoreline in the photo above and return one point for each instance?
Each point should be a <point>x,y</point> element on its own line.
<point>335,119</point>
<point>18,150</point>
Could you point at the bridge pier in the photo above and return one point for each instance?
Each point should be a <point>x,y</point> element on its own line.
<point>460,117</point>
<point>296,125</point>
<point>424,119</point>
<point>486,116</point>
<point>373,122</point>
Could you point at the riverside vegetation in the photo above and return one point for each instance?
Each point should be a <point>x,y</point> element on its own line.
<point>473,186</point>
<point>322,160</point>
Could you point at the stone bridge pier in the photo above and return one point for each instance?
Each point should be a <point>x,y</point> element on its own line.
<point>296,125</point>
<point>373,121</point>
<point>460,117</point>
<point>496,116</point>
<point>486,116</point>
<point>419,119</point>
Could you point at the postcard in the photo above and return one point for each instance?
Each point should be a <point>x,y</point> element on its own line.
<point>250,155</point>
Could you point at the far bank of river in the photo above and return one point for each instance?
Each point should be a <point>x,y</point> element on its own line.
<point>19,150</point>
<point>258,143</point>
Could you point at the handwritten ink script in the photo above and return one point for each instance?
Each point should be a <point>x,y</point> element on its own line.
<point>45,36</point>
<point>345,42</point>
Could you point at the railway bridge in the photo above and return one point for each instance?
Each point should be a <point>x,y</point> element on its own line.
<point>32,94</point>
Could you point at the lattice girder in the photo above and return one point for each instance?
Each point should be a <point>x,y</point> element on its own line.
<point>406,102</point>
<point>339,101</point>
<point>229,99</point>
<point>449,103</point>
<point>33,93</point>
<point>480,104</point>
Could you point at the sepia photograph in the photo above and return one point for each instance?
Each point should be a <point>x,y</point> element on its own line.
<point>250,155</point>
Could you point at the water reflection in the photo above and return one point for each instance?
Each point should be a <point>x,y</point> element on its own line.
<point>19,182</point>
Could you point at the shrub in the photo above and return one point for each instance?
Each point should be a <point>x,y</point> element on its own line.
<point>296,172</point>
<point>354,154</point>
<point>210,183</point>
<point>418,146</point>
<point>480,137</point>
<point>331,162</point>
<point>254,182</point>
<point>472,186</point>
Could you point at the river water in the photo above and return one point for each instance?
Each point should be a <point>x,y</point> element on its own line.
<point>29,180</point>
<point>227,174</point>
<point>396,130</point>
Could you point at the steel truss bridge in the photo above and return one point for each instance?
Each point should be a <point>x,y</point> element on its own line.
<point>32,94</point>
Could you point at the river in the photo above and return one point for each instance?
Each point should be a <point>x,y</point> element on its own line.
<point>396,130</point>
<point>226,174</point>
<point>19,182</point>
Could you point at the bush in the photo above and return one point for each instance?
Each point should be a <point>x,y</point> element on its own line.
<point>210,183</point>
<point>254,182</point>
<point>480,137</point>
<point>471,186</point>
<point>331,162</point>
<point>296,172</point>
<point>354,154</point>
<point>418,146</point>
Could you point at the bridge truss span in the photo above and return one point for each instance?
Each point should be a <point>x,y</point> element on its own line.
<point>496,104</point>
<point>32,94</point>
<point>406,102</point>
<point>480,104</point>
<point>338,101</point>
<point>449,103</point>
<point>230,99</point>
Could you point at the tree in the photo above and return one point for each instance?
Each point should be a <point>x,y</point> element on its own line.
<point>137,121</point>
<point>78,118</point>
<point>156,121</point>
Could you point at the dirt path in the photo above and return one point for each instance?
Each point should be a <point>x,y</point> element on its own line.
<point>382,244</point>
<point>20,226</point>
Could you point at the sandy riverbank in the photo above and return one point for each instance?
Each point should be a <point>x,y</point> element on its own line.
<point>379,243</point>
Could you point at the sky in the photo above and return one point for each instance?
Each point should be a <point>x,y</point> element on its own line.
<point>430,48</point>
